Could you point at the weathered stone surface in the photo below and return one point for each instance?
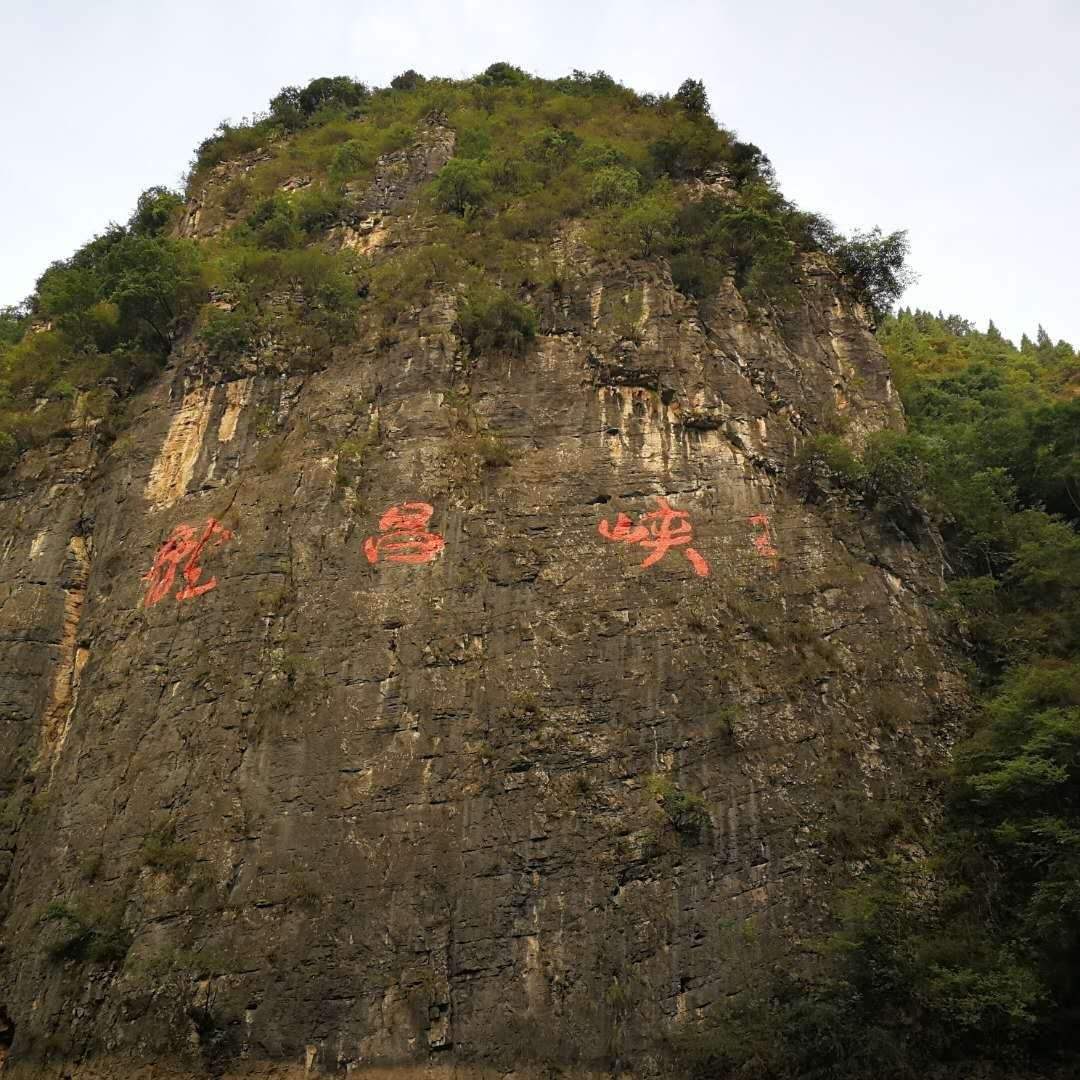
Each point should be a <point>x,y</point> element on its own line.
<point>403,817</point>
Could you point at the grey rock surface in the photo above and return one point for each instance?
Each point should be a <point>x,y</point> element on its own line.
<point>540,796</point>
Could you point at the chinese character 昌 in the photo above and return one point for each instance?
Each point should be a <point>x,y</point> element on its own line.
<point>404,537</point>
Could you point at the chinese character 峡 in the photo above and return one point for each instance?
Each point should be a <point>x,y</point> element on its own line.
<point>183,546</point>
<point>763,541</point>
<point>658,531</point>
<point>404,537</point>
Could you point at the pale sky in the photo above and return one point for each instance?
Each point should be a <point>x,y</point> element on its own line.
<point>955,119</point>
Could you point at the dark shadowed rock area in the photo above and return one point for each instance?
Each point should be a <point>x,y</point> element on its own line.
<point>417,714</point>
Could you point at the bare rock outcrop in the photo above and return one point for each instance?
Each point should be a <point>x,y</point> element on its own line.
<point>439,715</point>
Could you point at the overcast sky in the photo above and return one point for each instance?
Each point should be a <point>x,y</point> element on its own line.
<point>955,119</point>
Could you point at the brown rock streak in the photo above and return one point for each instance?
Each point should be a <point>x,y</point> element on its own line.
<point>71,660</point>
<point>173,469</point>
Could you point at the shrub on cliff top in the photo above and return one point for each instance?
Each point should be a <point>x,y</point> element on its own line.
<point>692,97</point>
<point>293,106</point>
<point>407,80</point>
<point>153,282</point>
<point>231,140</point>
<point>502,74</point>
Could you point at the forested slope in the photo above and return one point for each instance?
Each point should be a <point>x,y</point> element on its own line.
<point>959,952</point>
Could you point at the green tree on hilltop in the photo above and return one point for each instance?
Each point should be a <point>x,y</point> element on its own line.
<point>501,74</point>
<point>407,80</point>
<point>692,97</point>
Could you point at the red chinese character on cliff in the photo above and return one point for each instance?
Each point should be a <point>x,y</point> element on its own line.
<point>404,537</point>
<point>185,545</point>
<point>658,531</point>
<point>763,541</point>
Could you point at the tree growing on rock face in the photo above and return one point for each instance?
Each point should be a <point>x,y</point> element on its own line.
<point>462,187</point>
<point>155,211</point>
<point>492,321</point>
<point>692,97</point>
<point>750,164</point>
<point>124,286</point>
<point>874,264</point>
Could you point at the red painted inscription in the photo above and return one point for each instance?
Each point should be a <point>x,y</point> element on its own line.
<point>658,532</point>
<point>763,541</point>
<point>182,551</point>
<point>404,537</point>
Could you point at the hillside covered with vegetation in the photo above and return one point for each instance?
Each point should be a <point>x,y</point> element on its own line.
<point>958,953</point>
<point>960,948</point>
<point>530,156</point>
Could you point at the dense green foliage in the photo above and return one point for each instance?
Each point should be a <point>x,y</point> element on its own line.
<point>874,264</point>
<point>531,154</point>
<point>961,959</point>
<point>492,321</point>
<point>103,321</point>
<point>1002,424</point>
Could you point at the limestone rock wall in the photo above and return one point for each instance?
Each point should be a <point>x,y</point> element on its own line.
<point>435,715</point>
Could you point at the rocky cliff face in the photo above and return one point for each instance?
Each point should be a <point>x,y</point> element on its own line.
<point>439,714</point>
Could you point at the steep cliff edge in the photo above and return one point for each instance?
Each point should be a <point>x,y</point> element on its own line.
<point>426,706</point>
